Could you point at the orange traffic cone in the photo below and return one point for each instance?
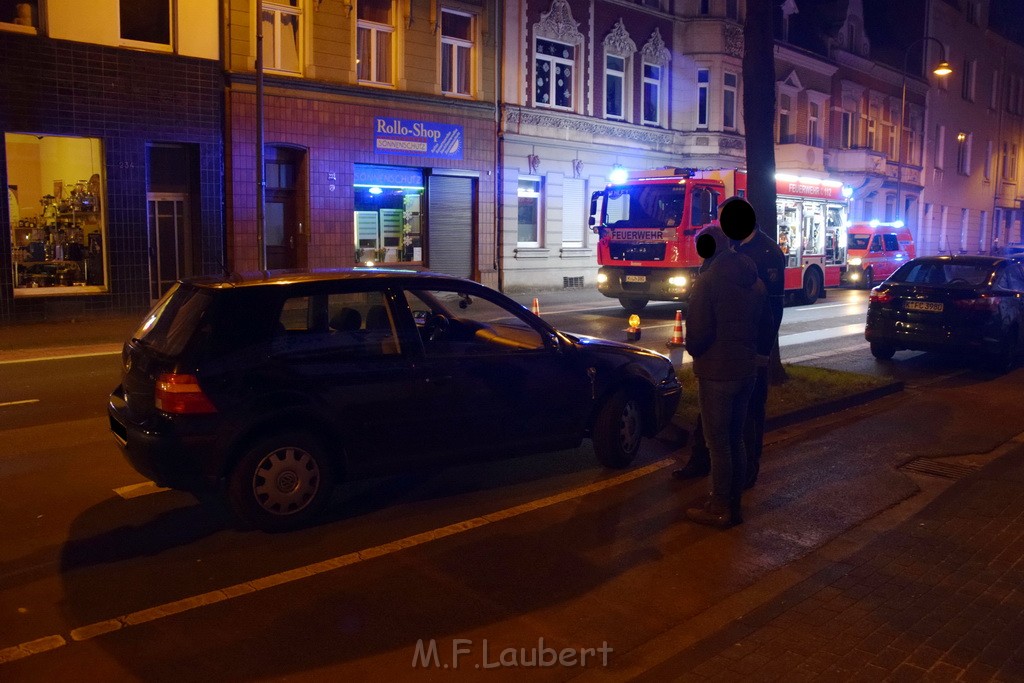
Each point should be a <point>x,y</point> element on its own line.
<point>677,329</point>
<point>536,306</point>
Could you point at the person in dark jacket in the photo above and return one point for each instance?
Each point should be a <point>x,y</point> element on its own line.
<point>737,217</point>
<point>728,322</point>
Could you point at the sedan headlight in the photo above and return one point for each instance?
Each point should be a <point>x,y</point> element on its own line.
<point>677,281</point>
<point>855,261</point>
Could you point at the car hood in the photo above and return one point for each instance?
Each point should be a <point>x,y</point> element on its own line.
<point>586,342</point>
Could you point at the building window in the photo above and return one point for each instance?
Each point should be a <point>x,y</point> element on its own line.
<point>1009,161</point>
<point>729,101</point>
<point>653,4</point>
<point>574,212</point>
<point>388,213</point>
<point>940,147</point>
<point>967,84</point>
<point>281,36</point>
<point>993,97</point>
<point>963,153</point>
<point>705,6</point>
<point>456,52</point>
<point>529,212</point>
<point>703,81</point>
<point>554,70</point>
<point>813,122</point>
<point>652,94</point>
<point>146,21</point>
<point>846,131</point>
<point>785,125</point>
<point>19,15</point>
<point>988,160</point>
<point>375,35</point>
<point>58,218</point>
<point>614,86</point>
<point>732,10</point>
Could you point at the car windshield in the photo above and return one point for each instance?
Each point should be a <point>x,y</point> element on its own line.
<point>943,273</point>
<point>170,324</point>
<point>859,242</point>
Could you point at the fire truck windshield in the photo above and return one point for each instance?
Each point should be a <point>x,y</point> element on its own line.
<point>637,206</point>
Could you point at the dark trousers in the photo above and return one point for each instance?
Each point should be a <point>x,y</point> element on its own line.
<point>753,431</point>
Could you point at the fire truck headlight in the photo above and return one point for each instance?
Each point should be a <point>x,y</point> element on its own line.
<point>855,261</point>
<point>677,281</point>
<point>601,278</point>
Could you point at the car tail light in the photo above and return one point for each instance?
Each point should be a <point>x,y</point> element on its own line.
<point>879,296</point>
<point>181,395</point>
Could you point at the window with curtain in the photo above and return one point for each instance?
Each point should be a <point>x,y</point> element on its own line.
<point>374,39</point>
<point>456,52</point>
<point>281,36</point>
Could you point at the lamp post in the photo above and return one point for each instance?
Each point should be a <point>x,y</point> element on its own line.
<point>942,69</point>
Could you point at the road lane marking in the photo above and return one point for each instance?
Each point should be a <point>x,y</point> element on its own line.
<point>818,335</point>
<point>247,587</point>
<point>19,403</point>
<point>138,490</point>
<point>36,359</point>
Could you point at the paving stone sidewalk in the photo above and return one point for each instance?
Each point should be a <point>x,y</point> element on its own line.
<point>940,597</point>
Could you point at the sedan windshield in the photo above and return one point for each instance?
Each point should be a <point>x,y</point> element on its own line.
<point>943,273</point>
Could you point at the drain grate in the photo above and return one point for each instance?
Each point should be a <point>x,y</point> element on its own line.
<point>947,470</point>
<point>572,282</point>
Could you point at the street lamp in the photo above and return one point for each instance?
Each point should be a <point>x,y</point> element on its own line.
<point>942,69</point>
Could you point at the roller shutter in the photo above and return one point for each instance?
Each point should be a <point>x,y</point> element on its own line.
<point>450,227</point>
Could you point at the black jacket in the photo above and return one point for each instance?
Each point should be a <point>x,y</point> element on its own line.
<point>728,321</point>
<point>771,268</point>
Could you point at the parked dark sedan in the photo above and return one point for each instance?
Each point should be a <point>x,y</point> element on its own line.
<point>270,388</point>
<point>972,304</point>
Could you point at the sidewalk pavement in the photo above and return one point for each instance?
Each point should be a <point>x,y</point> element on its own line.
<point>936,595</point>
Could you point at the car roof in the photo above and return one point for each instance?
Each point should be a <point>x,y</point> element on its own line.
<point>967,259</point>
<point>288,277</point>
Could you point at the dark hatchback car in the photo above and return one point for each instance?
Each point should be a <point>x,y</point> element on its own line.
<point>970,304</point>
<point>269,389</point>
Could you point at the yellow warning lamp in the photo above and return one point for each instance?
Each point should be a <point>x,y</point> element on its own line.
<point>633,332</point>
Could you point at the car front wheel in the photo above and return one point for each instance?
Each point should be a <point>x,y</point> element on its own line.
<point>282,482</point>
<point>618,430</point>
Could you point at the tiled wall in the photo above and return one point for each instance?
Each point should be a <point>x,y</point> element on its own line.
<point>127,99</point>
<point>336,135</point>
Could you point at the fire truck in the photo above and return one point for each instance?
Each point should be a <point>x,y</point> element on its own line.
<point>647,226</point>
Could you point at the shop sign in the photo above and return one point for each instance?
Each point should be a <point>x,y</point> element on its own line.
<point>417,138</point>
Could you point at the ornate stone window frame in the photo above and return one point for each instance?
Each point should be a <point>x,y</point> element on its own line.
<point>656,54</point>
<point>557,24</point>
<point>618,44</point>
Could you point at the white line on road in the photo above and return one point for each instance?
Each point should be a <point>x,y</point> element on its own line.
<point>818,335</point>
<point>19,403</point>
<point>33,647</point>
<point>36,359</point>
<point>139,490</point>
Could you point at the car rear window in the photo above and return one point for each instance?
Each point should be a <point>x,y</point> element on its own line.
<point>942,273</point>
<point>170,324</point>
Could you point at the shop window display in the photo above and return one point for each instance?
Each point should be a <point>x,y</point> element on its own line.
<point>58,231</point>
<point>388,214</point>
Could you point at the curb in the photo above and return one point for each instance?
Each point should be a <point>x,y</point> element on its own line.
<point>833,406</point>
<point>680,436</point>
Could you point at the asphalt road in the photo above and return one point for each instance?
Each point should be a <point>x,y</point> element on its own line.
<point>108,578</point>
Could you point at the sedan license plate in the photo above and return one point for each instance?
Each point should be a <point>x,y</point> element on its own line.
<point>636,278</point>
<point>930,306</point>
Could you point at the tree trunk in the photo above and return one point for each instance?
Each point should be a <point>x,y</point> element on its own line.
<point>759,126</point>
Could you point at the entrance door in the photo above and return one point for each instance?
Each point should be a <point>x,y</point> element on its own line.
<point>168,231</point>
<point>282,226</point>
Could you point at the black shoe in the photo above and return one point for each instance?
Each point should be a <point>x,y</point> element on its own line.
<point>691,471</point>
<point>715,512</point>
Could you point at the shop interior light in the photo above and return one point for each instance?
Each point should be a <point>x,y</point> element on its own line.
<point>389,187</point>
<point>375,190</point>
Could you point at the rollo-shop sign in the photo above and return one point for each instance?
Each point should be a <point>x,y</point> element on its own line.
<point>417,138</point>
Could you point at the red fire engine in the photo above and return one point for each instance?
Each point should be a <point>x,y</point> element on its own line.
<point>647,225</point>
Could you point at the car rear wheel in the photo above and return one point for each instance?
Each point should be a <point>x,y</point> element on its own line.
<point>812,287</point>
<point>882,351</point>
<point>1006,358</point>
<point>282,482</point>
<point>618,430</point>
<point>632,305</point>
